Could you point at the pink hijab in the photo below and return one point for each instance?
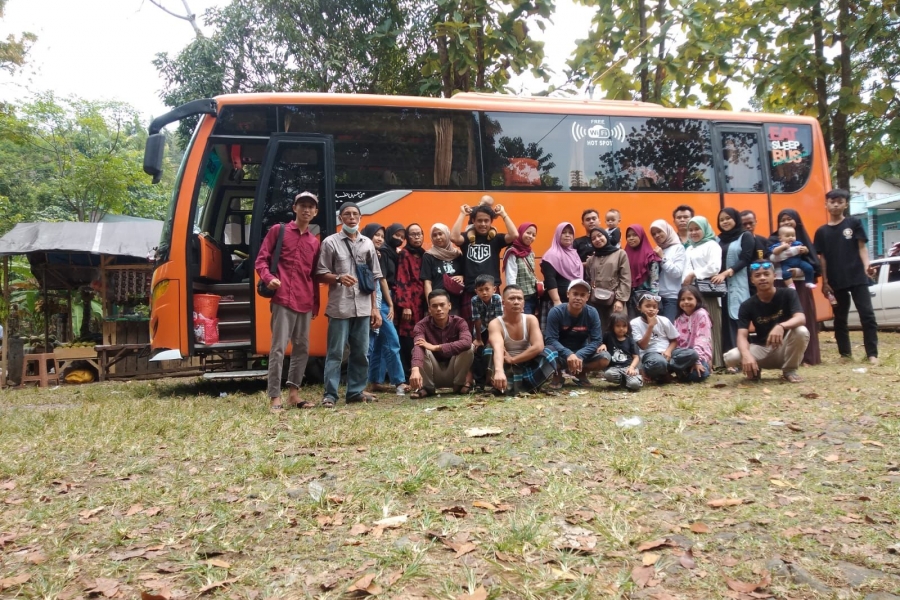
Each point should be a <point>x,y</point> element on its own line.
<point>519,249</point>
<point>565,260</point>
<point>640,258</point>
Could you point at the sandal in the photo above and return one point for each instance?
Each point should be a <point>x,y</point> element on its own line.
<point>361,397</point>
<point>792,377</point>
<point>305,404</point>
<point>327,402</point>
<point>583,381</point>
<point>276,408</point>
<point>420,393</point>
<point>556,384</point>
<point>463,389</point>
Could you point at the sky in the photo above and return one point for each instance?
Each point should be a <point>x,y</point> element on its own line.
<point>102,49</point>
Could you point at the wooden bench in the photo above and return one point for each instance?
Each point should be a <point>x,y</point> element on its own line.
<point>111,354</point>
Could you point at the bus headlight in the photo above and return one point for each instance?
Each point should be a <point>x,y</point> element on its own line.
<point>158,291</point>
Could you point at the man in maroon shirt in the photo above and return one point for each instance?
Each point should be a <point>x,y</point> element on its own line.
<point>442,355</point>
<point>296,299</point>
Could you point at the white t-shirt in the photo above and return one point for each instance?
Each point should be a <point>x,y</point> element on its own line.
<point>662,335</point>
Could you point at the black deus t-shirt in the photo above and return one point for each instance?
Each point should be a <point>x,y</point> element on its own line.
<point>482,258</point>
<point>839,244</point>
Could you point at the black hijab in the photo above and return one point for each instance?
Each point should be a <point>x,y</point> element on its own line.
<point>802,236</point>
<point>415,251</point>
<point>605,250</point>
<point>369,231</point>
<point>726,237</point>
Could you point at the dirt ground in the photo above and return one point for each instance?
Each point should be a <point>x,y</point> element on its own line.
<point>183,488</point>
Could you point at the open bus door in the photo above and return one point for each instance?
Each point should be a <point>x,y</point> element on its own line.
<point>293,163</point>
<point>743,177</point>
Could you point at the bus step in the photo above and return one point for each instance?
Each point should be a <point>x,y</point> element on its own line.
<point>236,374</point>
<point>229,345</point>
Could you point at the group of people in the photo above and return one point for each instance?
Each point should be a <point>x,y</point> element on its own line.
<point>633,306</point>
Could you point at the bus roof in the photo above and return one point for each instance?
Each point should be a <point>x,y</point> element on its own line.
<point>508,103</point>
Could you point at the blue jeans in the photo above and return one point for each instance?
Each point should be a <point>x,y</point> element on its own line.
<point>795,262</point>
<point>354,331</point>
<point>669,308</point>
<point>384,352</point>
<point>531,304</point>
<point>655,366</point>
<point>694,377</point>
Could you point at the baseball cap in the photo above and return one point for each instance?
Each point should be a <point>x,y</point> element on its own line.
<point>579,282</point>
<point>306,195</point>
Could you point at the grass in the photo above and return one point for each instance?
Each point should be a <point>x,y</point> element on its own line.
<point>168,488</point>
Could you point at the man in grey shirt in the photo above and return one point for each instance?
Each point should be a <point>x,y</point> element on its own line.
<point>351,313</point>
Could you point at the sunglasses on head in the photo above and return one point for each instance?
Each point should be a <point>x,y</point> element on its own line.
<point>762,265</point>
<point>650,297</point>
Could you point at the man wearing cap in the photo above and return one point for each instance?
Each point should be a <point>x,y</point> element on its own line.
<point>296,299</point>
<point>350,312</point>
<point>574,332</point>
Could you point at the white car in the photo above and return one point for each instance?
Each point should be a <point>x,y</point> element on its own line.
<point>885,295</point>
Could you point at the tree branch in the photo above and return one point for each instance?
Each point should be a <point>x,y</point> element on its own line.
<point>190,17</point>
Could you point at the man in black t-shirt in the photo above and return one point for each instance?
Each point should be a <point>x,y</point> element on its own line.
<point>778,319</point>
<point>481,257</point>
<point>590,219</point>
<point>841,244</point>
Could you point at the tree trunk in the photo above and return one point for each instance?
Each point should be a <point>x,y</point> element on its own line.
<point>86,297</point>
<point>821,76</point>
<point>660,74</point>
<point>645,75</point>
<point>479,54</point>
<point>444,56</point>
<point>841,150</point>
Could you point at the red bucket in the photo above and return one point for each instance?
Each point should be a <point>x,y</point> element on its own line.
<point>206,305</point>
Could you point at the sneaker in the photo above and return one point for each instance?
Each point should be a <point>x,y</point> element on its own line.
<point>790,284</point>
<point>811,286</point>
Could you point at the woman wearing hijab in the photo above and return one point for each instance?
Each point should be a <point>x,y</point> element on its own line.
<point>673,261</point>
<point>384,345</point>
<point>409,292</point>
<point>644,264</point>
<point>559,266</point>
<point>737,246</point>
<point>607,269</point>
<point>394,237</point>
<point>791,218</point>
<point>442,267</point>
<point>704,261</point>
<point>518,266</point>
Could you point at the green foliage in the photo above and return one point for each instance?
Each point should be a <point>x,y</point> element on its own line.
<point>73,159</point>
<point>13,51</point>
<point>477,45</point>
<point>799,56</point>
<point>437,47</point>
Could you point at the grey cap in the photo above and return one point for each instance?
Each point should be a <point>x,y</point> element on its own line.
<point>581,283</point>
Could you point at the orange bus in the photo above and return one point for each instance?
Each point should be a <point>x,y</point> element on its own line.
<point>408,159</point>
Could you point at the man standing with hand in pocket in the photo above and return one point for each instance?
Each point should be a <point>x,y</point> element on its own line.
<point>296,299</point>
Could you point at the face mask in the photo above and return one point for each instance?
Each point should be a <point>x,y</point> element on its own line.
<point>350,230</point>
<point>394,242</point>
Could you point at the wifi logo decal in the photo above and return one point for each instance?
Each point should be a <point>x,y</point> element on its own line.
<point>598,132</point>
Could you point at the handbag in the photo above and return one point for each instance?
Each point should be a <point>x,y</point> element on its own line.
<point>451,285</point>
<point>365,279</point>
<point>603,297</point>
<point>538,285</point>
<point>261,288</point>
<point>708,288</point>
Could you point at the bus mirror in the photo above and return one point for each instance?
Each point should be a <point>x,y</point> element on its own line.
<point>153,155</point>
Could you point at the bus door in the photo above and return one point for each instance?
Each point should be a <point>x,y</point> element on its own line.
<point>293,163</point>
<point>742,174</point>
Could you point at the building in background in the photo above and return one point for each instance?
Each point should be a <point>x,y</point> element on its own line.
<point>878,206</point>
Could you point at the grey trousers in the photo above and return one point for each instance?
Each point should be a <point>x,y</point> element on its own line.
<point>293,327</point>
<point>786,357</point>
<point>655,366</point>
<point>436,374</point>
<point>619,376</point>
